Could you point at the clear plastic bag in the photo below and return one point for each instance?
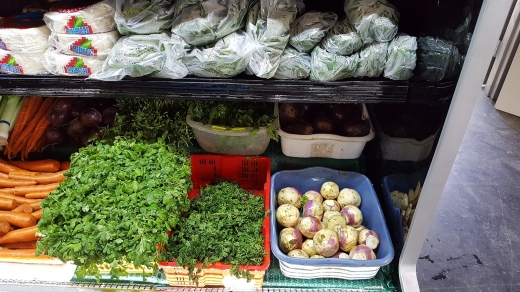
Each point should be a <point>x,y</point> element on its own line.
<point>342,39</point>
<point>293,65</point>
<point>143,16</point>
<point>454,63</point>
<point>227,57</point>
<point>96,18</point>
<point>141,55</point>
<point>99,44</point>
<point>204,22</point>
<point>372,59</point>
<point>433,58</point>
<point>401,58</point>
<point>22,63</point>
<point>23,34</point>
<point>308,30</point>
<point>68,65</point>
<point>327,66</point>
<point>268,24</point>
<point>375,20</point>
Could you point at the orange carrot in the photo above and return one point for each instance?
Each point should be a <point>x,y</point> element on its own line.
<point>37,195</point>
<point>21,245</point>
<point>4,227</point>
<point>36,205</point>
<point>35,137</point>
<point>45,165</point>
<point>20,235</point>
<point>9,183</point>
<point>6,167</point>
<point>37,214</point>
<point>4,175</point>
<point>65,165</point>
<point>23,116</point>
<point>18,219</point>
<point>23,172</point>
<point>45,178</point>
<point>18,199</point>
<point>7,204</point>
<point>23,208</point>
<point>37,102</point>
<point>21,191</point>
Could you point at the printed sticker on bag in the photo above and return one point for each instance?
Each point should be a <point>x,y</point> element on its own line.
<point>3,46</point>
<point>75,25</point>
<point>83,46</point>
<point>8,65</point>
<point>76,66</point>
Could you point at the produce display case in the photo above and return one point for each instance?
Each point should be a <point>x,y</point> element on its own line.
<point>460,93</point>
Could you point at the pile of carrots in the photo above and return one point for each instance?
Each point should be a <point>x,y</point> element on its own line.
<point>28,131</point>
<point>23,185</point>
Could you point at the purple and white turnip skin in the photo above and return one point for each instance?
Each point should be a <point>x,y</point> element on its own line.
<point>326,242</point>
<point>368,238</point>
<point>359,228</point>
<point>287,215</point>
<point>330,205</point>
<point>290,196</point>
<point>329,190</point>
<point>353,215</point>
<point>298,253</point>
<point>329,214</point>
<point>340,255</point>
<point>317,257</point>
<point>349,197</point>
<point>308,247</point>
<point>362,252</point>
<point>348,238</point>
<point>313,208</point>
<point>309,226</point>
<point>336,220</point>
<point>313,196</point>
<point>290,239</point>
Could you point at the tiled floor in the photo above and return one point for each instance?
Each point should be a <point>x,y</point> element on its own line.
<point>474,241</point>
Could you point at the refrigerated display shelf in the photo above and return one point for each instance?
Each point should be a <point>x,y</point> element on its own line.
<point>244,88</point>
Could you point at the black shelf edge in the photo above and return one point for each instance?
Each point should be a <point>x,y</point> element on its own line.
<point>240,89</point>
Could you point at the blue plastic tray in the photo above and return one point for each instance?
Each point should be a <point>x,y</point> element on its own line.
<point>403,183</point>
<point>312,179</point>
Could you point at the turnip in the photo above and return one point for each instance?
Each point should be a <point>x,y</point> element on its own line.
<point>317,257</point>
<point>362,252</point>
<point>330,205</point>
<point>329,214</point>
<point>298,253</point>
<point>348,238</point>
<point>313,196</point>
<point>290,196</point>
<point>368,238</point>
<point>287,215</point>
<point>340,255</point>
<point>329,190</point>
<point>308,247</point>
<point>309,226</point>
<point>335,221</point>
<point>290,239</point>
<point>326,242</point>
<point>349,197</point>
<point>313,208</point>
<point>353,215</point>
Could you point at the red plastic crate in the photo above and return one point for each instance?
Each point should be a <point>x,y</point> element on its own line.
<point>251,173</point>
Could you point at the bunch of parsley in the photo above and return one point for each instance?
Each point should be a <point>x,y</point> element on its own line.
<point>116,204</point>
<point>223,225</point>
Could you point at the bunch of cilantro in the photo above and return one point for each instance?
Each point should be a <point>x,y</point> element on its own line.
<point>116,205</point>
<point>223,225</point>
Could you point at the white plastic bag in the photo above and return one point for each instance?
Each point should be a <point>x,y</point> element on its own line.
<point>293,65</point>
<point>433,58</point>
<point>22,63</point>
<point>99,44</point>
<point>342,39</point>
<point>327,66</point>
<point>308,30</point>
<point>401,58</point>
<point>205,21</point>
<point>96,18</point>
<point>141,55</point>
<point>68,65</point>
<point>375,20</point>
<point>226,58</point>
<point>143,16</point>
<point>268,24</point>
<point>23,34</point>
<point>372,59</point>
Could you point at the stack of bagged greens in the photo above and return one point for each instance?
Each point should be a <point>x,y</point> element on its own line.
<point>143,16</point>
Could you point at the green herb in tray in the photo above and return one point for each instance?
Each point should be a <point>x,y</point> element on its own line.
<point>223,225</point>
<point>116,205</point>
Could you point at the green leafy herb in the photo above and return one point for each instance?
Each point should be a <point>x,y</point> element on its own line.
<point>116,205</point>
<point>223,225</point>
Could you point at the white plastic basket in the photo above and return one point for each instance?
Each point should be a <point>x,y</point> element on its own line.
<point>52,271</point>
<point>325,145</point>
<point>316,272</point>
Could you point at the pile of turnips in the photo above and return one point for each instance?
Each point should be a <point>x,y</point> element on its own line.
<point>329,225</point>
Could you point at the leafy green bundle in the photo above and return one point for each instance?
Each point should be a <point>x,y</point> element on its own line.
<point>116,204</point>
<point>223,225</point>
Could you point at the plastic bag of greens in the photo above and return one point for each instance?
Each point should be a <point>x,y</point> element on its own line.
<point>308,30</point>
<point>268,24</point>
<point>227,57</point>
<point>140,55</point>
<point>401,58</point>
<point>200,22</point>
<point>372,59</point>
<point>293,65</point>
<point>374,19</point>
<point>433,57</point>
<point>143,16</point>
<point>327,66</point>
<point>454,63</point>
<point>342,39</point>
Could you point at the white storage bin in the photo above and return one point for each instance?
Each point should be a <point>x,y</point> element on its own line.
<point>49,271</point>
<point>325,145</point>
